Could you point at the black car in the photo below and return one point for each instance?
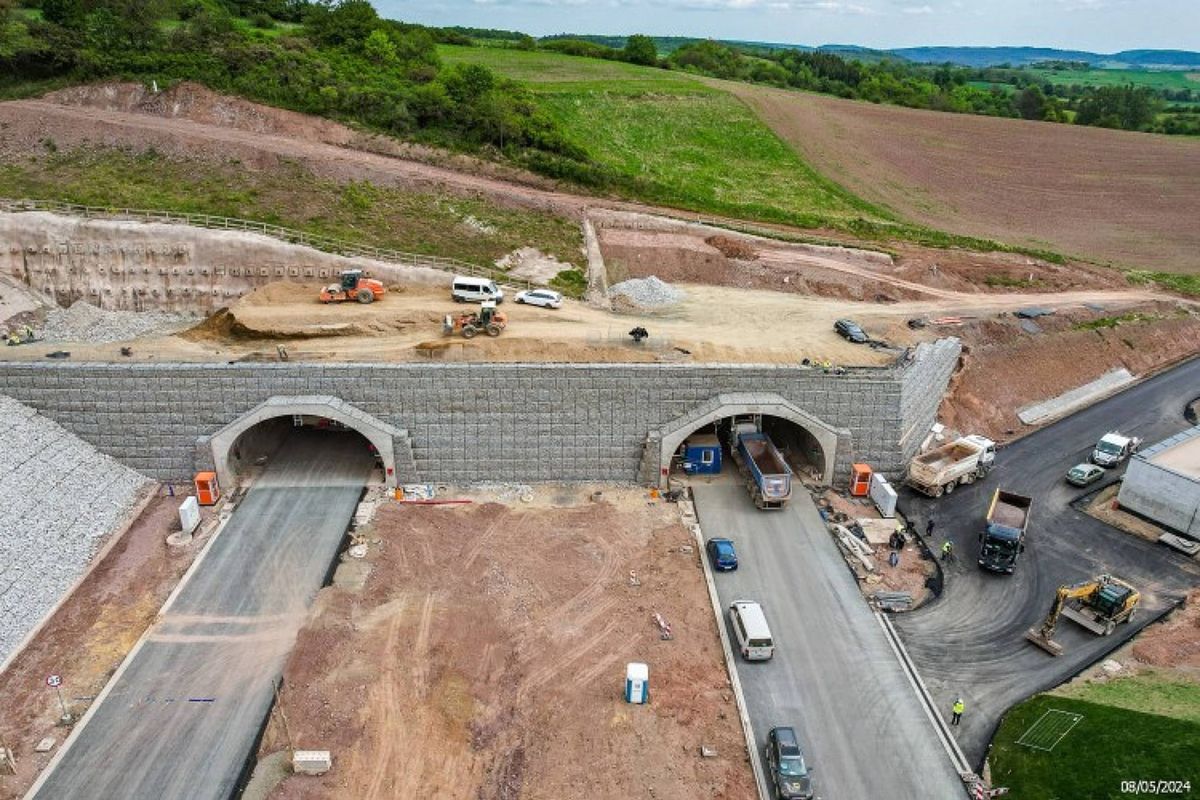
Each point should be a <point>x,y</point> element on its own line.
<point>790,776</point>
<point>851,330</point>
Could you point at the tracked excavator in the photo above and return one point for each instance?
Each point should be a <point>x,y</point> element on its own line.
<point>1099,605</point>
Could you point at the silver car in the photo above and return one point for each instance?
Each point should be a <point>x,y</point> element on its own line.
<point>1084,474</point>
<point>546,298</point>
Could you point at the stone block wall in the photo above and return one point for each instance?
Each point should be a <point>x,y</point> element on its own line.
<point>472,422</point>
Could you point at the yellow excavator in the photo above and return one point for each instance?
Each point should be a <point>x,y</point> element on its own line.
<point>1099,605</point>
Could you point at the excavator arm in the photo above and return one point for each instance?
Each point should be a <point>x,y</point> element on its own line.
<point>1065,593</point>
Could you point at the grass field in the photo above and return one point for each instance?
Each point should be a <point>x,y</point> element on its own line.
<point>1113,742</point>
<point>1157,79</point>
<point>675,140</point>
<point>440,224</point>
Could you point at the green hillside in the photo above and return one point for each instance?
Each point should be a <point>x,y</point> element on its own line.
<point>668,138</point>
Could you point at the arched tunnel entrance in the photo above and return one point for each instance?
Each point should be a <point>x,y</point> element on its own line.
<point>801,450</point>
<point>252,439</point>
<point>808,444</point>
<point>305,437</point>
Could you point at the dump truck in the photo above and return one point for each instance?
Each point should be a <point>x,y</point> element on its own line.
<point>1098,604</point>
<point>1113,448</point>
<point>964,460</point>
<point>767,475</point>
<point>1003,537</point>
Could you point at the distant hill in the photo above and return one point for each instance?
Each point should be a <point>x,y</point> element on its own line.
<point>962,56</point>
<point>1022,56</point>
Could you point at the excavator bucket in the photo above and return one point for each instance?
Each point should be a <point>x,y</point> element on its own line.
<point>1043,641</point>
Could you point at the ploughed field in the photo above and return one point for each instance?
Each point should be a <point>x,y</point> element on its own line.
<point>1128,198</point>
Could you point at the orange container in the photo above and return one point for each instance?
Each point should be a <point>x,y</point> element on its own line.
<point>207,490</point>
<point>860,480</point>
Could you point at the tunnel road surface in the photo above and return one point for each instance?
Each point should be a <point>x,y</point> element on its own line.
<point>970,641</point>
<point>834,677</point>
<point>182,718</point>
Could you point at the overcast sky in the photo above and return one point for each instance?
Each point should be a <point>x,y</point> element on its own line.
<point>1096,25</point>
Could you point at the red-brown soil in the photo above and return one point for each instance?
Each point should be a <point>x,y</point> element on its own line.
<point>485,657</point>
<point>88,637</point>
<point>1128,198</point>
<point>1005,368</point>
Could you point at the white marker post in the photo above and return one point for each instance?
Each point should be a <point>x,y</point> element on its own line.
<point>56,682</point>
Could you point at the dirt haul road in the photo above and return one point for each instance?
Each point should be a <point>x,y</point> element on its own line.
<point>713,324</point>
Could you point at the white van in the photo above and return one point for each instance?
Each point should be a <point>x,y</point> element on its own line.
<point>750,627</point>
<point>466,289</point>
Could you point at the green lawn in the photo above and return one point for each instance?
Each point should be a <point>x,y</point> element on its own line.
<point>673,140</point>
<point>470,229</point>
<point>1112,743</point>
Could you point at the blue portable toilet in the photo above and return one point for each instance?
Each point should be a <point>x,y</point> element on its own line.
<point>637,683</point>
<point>702,454</point>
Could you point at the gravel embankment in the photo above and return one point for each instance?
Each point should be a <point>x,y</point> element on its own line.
<point>61,498</point>
<point>83,322</point>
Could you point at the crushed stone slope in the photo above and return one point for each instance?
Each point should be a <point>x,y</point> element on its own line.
<point>62,499</point>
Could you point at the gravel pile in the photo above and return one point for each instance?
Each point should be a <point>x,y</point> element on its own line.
<point>61,499</point>
<point>83,322</point>
<point>649,292</point>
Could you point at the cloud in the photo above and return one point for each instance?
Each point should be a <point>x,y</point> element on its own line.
<point>917,9</point>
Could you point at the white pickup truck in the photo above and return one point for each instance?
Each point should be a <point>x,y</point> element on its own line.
<point>1113,448</point>
<point>961,461</point>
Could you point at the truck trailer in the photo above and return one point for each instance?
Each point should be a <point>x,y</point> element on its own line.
<point>964,460</point>
<point>767,475</point>
<point>1003,537</point>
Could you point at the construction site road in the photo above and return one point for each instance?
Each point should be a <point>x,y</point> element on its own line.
<point>181,716</point>
<point>970,641</point>
<point>834,678</point>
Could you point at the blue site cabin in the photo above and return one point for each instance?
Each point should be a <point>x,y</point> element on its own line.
<point>702,455</point>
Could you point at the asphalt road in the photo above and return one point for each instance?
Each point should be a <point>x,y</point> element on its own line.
<point>833,678</point>
<point>970,641</point>
<point>184,715</point>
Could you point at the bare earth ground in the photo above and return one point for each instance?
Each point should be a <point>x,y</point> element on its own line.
<point>89,636</point>
<point>1129,198</point>
<point>485,657</point>
<point>1005,368</point>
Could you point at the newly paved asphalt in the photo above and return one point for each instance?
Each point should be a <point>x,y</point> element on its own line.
<point>970,640</point>
<point>183,717</point>
<point>834,677</point>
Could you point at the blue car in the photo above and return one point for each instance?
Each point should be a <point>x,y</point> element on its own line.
<point>721,554</point>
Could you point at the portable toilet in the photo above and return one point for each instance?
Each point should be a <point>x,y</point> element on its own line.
<point>207,490</point>
<point>637,683</point>
<point>702,455</point>
<point>860,480</point>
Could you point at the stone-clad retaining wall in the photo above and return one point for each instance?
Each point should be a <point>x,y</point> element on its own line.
<point>479,422</point>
